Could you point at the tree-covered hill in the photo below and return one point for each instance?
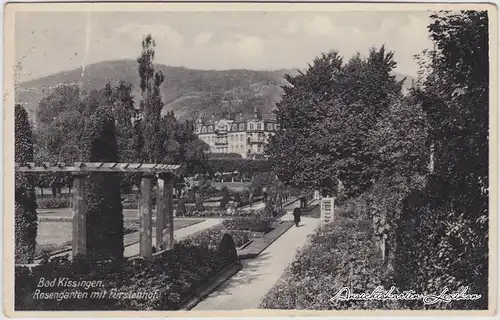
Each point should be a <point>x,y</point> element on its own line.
<point>185,91</point>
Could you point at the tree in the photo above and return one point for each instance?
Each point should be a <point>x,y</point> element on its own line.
<point>123,111</point>
<point>445,225</point>
<point>151,104</point>
<point>325,117</point>
<point>60,122</point>
<point>61,119</point>
<point>25,198</point>
<point>104,207</point>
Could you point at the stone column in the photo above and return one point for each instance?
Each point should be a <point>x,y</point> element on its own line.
<point>145,218</point>
<point>79,214</point>
<point>168,230</point>
<point>160,212</point>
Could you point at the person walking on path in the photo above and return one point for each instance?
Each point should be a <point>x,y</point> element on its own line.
<point>303,201</point>
<point>296,216</point>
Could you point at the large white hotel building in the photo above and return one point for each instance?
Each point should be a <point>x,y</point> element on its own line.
<point>246,137</point>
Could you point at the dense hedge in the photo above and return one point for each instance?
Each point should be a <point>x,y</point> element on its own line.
<point>244,166</point>
<point>25,197</point>
<point>225,155</point>
<point>444,243</point>
<point>103,192</point>
<point>170,277</point>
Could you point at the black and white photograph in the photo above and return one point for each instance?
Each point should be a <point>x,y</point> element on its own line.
<point>224,157</point>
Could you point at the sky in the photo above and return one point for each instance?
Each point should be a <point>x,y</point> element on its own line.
<point>49,42</point>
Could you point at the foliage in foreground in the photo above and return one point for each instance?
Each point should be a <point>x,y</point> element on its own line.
<point>173,276</point>
<point>340,255</point>
<point>344,258</point>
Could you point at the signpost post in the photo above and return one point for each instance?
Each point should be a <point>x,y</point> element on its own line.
<point>327,210</point>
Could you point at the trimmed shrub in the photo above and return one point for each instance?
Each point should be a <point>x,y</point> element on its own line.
<point>181,208</point>
<point>225,198</point>
<point>25,198</point>
<point>104,207</point>
<point>199,203</point>
<point>227,248</point>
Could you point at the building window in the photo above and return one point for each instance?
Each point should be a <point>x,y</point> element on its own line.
<point>210,129</point>
<point>251,126</point>
<point>242,126</point>
<point>270,127</point>
<point>235,127</point>
<point>276,126</point>
<point>259,126</point>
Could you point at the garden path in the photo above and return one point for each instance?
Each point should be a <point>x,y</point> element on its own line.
<point>247,288</point>
<point>180,234</point>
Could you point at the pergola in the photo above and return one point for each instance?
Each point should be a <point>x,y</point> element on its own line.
<point>164,199</point>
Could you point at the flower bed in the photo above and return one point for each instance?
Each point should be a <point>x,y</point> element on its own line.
<point>255,223</point>
<point>191,211</point>
<point>170,277</point>
<point>242,229</point>
<point>211,238</point>
<point>341,255</point>
<point>53,203</point>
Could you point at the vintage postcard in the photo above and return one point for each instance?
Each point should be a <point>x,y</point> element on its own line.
<point>250,159</point>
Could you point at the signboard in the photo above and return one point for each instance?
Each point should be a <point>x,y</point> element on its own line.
<point>316,195</point>
<point>327,210</point>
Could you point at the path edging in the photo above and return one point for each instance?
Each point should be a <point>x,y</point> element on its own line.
<point>252,255</point>
<point>211,285</point>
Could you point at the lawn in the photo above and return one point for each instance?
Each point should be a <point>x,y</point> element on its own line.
<point>56,235</point>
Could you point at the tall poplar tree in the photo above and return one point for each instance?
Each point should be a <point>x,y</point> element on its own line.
<point>149,145</point>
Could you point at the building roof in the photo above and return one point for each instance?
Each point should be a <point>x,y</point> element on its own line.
<point>239,118</point>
